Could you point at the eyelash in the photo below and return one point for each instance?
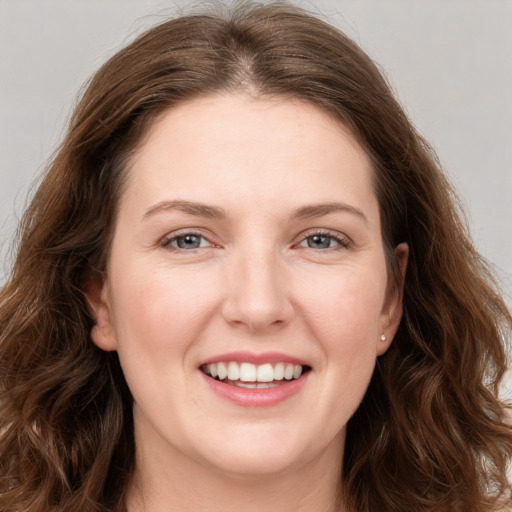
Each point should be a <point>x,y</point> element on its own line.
<point>168,241</point>
<point>342,242</point>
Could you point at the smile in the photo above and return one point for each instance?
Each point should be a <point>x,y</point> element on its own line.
<point>254,376</point>
<point>265,380</point>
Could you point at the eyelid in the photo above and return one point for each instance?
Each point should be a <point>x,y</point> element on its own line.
<point>167,240</point>
<point>343,240</point>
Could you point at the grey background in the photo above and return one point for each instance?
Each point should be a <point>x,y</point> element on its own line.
<point>449,62</point>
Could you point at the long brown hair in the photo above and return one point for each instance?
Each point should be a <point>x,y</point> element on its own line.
<point>430,434</point>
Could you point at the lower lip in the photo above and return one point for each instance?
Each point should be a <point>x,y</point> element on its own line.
<point>262,397</point>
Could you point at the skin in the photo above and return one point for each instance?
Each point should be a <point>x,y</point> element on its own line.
<point>256,283</point>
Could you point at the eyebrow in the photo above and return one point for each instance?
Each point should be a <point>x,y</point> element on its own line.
<point>192,208</point>
<point>215,212</point>
<point>318,210</point>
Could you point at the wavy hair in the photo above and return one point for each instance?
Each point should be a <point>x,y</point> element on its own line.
<point>430,434</point>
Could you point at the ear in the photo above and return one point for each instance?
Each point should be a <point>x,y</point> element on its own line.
<point>392,310</point>
<point>103,332</point>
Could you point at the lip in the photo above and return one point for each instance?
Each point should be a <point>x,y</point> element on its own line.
<point>251,357</point>
<point>262,397</point>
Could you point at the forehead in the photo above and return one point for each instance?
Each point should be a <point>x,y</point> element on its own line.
<point>226,146</point>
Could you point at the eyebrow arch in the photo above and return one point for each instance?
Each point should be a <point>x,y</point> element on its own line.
<point>196,209</point>
<point>318,210</point>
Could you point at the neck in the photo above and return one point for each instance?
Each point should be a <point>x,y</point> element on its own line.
<point>183,485</point>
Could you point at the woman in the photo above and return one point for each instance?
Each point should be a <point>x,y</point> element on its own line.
<point>243,282</point>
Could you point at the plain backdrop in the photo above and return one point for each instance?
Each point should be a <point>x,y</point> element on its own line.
<point>449,62</point>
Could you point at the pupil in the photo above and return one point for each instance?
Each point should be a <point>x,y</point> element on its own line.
<point>188,242</point>
<point>319,242</point>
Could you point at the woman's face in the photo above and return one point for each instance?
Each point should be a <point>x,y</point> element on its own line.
<point>248,241</point>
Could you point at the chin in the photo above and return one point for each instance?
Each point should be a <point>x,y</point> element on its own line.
<point>256,466</point>
<point>256,452</point>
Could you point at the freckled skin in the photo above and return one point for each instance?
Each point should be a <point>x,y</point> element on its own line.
<point>256,282</point>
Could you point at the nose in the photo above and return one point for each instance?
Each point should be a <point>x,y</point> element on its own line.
<point>257,296</point>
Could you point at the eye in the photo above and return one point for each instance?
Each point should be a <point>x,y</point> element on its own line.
<point>322,241</point>
<point>187,241</point>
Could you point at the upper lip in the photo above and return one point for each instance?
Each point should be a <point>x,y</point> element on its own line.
<point>257,359</point>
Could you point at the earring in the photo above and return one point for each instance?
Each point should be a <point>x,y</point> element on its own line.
<point>382,337</point>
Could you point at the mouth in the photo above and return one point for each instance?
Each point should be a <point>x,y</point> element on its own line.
<point>254,376</point>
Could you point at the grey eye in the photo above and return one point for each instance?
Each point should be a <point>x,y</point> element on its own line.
<point>188,241</point>
<point>320,241</point>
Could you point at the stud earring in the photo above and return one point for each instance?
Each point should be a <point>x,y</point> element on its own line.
<point>382,337</point>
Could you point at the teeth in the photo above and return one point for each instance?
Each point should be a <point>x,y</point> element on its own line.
<point>233,371</point>
<point>288,372</point>
<point>265,373</point>
<point>256,385</point>
<point>248,372</point>
<point>222,370</point>
<point>279,371</point>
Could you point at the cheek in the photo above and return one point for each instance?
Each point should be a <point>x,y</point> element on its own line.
<point>341,312</point>
<point>344,316</point>
<point>165,301</point>
<point>344,309</point>
<point>159,315</point>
